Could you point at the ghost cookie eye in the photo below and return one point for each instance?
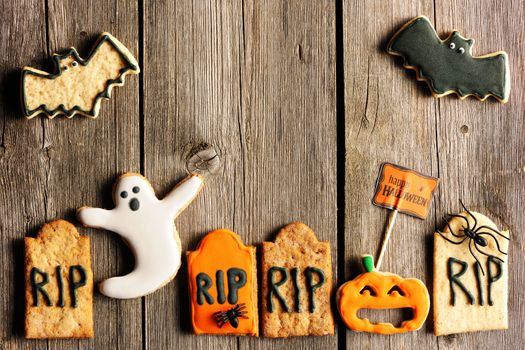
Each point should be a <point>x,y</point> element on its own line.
<point>123,194</point>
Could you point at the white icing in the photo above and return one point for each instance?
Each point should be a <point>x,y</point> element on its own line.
<point>149,232</point>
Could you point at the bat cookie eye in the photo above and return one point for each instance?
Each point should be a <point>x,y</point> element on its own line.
<point>461,50</point>
<point>452,46</point>
<point>74,63</point>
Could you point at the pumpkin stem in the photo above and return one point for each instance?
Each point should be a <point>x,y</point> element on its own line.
<point>368,263</point>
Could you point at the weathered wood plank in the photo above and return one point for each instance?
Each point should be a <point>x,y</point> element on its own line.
<point>258,84</point>
<point>481,147</point>
<point>389,117</point>
<point>22,163</point>
<point>84,157</point>
<point>288,123</point>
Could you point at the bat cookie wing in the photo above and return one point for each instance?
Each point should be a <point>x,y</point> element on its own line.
<point>447,66</point>
<point>78,85</point>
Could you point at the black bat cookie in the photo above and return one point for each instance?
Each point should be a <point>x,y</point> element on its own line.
<point>447,65</point>
<point>78,85</point>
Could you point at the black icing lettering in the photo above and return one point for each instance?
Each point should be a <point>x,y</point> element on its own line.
<point>310,286</point>
<point>273,287</point>
<point>74,285</point>
<point>38,287</point>
<point>478,269</point>
<point>492,278</point>
<point>203,285</point>
<point>219,281</point>
<point>60,283</point>
<point>454,279</point>
<point>236,280</point>
<point>297,295</point>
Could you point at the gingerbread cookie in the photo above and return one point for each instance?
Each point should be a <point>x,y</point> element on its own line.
<point>78,84</point>
<point>448,65</point>
<point>146,224</point>
<point>470,275</point>
<point>296,284</point>
<point>223,285</point>
<point>380,290</point>
<point>59,283</point>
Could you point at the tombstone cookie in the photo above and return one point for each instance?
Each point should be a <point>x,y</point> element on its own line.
<point>223,285</point>
<point>146,224</point>
<point>78,85</point>
<point>382,290</point>
<point>59,283</point>
<point>448,65</point>
<point>470,275</point>
<point>296,284</point>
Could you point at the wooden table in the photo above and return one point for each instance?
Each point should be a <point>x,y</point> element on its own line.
<point>301,103</point>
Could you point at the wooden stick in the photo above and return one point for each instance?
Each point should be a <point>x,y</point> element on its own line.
<point>388,231</point>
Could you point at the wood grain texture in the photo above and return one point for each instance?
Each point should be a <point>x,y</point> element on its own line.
<point>256,81</point>
<point>475,148</point>
<point>22,164</point>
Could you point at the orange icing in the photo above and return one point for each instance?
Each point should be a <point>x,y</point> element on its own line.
<point>351,300</point>
<point>222,250</point>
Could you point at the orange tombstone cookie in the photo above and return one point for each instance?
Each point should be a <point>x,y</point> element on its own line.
<point>223,285</point>
<point>379,290</point>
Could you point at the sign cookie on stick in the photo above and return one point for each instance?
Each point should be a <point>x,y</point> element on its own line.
<point>222,276</point>
<point>296,284</point>
<point>470,275</point>
<point>59,283</point>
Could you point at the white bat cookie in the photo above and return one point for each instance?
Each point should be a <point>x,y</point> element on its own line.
<point>147,225</point>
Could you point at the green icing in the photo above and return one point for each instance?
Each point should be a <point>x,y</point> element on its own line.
<point>491,277</point>
<point>73,52</point>
<point>368,263</point>
<point>273,288</point>
<point>310,286</point>
<point>74,285</point>
<point>38,287</point>
<point>454,279</point>
<point>448,65</point>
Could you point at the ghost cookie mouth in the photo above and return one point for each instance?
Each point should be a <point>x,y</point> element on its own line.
<point>134,204</point>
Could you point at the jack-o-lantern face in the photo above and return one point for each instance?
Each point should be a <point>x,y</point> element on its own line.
<point>378,290</point>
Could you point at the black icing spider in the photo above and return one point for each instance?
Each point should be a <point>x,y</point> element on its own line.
<point>231,315</point>
<point>475,235</point>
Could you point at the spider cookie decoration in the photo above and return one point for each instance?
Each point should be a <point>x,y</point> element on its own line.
<point>231,315</point>
<point>476,235</point>
<point>471,262</point>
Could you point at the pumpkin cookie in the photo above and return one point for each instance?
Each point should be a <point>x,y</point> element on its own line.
<point>296,284</point>
<point>380,290</point>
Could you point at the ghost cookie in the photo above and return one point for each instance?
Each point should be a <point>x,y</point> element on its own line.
<point>470,275</point>
<point>223,285</point>
<point>296,284</point>
<point>78,85</point>
<point>59,283</point>
<point>448,65</point>
<point>147,225</point>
